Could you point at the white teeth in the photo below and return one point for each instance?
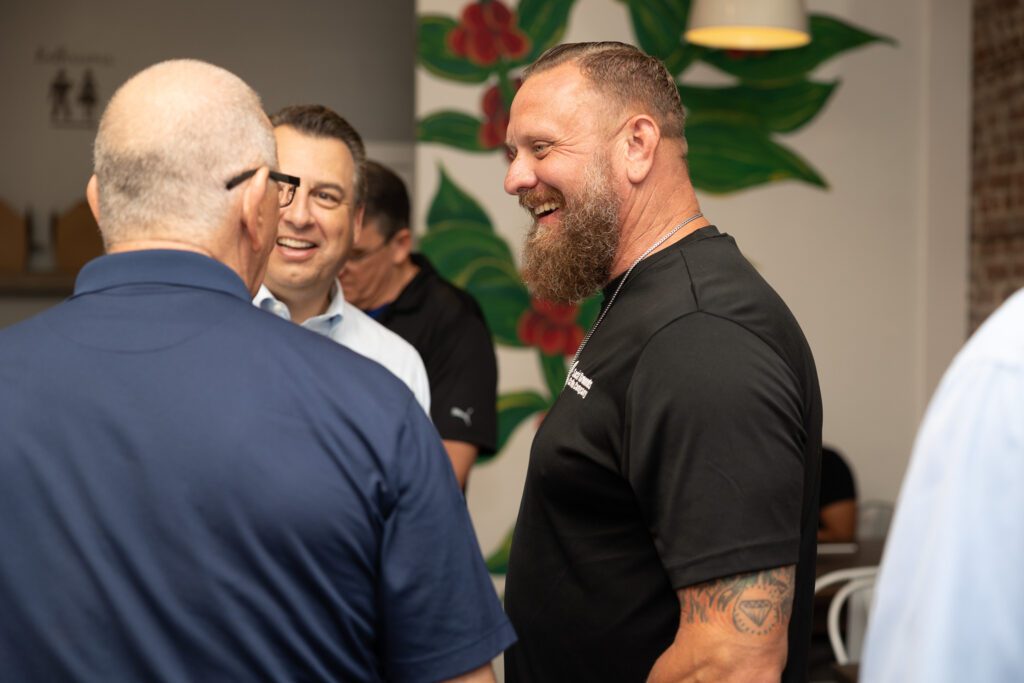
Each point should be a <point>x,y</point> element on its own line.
<point>544,208</point>
<point>294,243</point>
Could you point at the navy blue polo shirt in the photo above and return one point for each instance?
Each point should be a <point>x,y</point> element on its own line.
<point>192,489</point>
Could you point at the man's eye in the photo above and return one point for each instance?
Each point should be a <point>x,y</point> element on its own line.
<point>540,148</point>
<point>326,198</point>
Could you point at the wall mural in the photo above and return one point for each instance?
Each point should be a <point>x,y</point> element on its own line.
<point>733,132</point>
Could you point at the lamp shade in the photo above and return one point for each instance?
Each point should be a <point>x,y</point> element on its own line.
<point>748,24</point>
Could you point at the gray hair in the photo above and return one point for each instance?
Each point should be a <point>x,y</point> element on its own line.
<point>169,140</point>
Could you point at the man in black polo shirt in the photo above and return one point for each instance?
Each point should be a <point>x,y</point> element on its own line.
<point>668,522</point>
<point>402,291</point>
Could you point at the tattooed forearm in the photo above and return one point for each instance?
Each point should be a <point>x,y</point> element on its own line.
<point>757,603</point>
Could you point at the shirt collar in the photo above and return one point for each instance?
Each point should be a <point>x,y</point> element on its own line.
<point>412,297</point>
<point>159,266</point>
<point>324,323</point>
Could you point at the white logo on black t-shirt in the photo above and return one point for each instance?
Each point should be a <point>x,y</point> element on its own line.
<point>579,383</point>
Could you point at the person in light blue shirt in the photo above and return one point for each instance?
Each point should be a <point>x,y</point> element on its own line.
<point>347,325</point>
<point>949,602</point>
<point>315,236</point>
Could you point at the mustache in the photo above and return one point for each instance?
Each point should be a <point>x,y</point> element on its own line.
<point>531,198</point>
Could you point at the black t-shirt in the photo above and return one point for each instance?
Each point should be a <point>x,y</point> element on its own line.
<point>836,479</point>
<point>447,328</point>
<point>684,448</point>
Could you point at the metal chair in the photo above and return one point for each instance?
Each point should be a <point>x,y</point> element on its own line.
<point>858,583</point>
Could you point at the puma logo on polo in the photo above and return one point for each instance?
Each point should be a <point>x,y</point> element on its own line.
<point>464,415</point>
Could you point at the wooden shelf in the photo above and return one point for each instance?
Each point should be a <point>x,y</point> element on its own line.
<point>37,284</point>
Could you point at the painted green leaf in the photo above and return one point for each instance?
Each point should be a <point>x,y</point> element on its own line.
<point>513,409</point>
<point>725,158</point>
<point>452,128</point>
<point>779,109</point>
<point>454,247</point>
<point>497,562</point>
<point>659,26</point>
<point>433,53</point>
<point>544,21</point>
<point>496,285</point>
<point>555,369</point>
<point>829,37</point>
<point>452,203</point>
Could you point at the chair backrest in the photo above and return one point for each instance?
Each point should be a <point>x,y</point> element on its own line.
<point>873,517</point>
<point>855,592</point>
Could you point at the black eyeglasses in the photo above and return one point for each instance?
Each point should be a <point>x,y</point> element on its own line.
<point>286,184</point>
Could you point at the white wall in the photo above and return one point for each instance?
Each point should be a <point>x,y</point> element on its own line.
<point>351,55</point>
<point>874,268</point>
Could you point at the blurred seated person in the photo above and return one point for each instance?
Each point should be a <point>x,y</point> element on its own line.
<point>837,519</point>
<point>402,291</point>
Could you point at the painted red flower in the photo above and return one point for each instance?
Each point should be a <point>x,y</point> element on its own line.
<point>487,31</point>
<point>492,130</point>
<point>552,327</point>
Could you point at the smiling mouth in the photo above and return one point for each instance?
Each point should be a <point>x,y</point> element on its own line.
<point>545,209</point>
<point>292,243</point>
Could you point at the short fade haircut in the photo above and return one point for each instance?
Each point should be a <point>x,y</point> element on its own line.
<point>625,76</point>
<point>387,200</point>
<point>319,121</point>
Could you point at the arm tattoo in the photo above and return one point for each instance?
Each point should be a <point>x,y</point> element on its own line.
<point>755,604</point>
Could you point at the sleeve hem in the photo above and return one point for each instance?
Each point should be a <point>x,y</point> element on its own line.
<point>734,561</point>
<point>458,661</point>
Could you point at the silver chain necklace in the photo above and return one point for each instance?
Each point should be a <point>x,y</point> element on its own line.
<point>661,240</point>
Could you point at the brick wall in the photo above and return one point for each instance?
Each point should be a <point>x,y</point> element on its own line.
<point>997,192</point>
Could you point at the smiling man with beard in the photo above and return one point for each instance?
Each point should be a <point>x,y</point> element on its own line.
<point>315,237</point>
<point>668,525</point>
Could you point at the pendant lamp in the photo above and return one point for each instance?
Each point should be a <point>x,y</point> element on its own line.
<point>748,24</point>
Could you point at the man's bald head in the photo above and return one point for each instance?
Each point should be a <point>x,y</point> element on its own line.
<point>168,142</point>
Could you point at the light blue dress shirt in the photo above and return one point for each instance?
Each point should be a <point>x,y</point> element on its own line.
<point>949,604</point>
<point>347,325</point>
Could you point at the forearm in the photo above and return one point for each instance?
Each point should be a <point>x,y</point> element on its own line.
<point>731,629</point>
<point>484,674</point>
<point>462,456</point>
<point>725,665</point>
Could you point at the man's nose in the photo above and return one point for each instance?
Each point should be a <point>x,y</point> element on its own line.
<point>297,213</point>
<point>519,176</point>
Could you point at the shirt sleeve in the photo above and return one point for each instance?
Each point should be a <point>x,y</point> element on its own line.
<point>715,450</point>
<point>464,386</point>
<point>441,614</point>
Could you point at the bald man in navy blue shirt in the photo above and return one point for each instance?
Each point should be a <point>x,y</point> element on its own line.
<point>192,489</point>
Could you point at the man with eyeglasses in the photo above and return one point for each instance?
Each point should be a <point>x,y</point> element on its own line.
<point>315,236</point>
<point>402,291</point>
<point>193,490</point>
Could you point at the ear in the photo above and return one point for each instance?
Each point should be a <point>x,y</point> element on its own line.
<point>92,195</point>
<point>643,137</point>
<point>401,246</point>
<point>254,216</point>
<point>357,223</point>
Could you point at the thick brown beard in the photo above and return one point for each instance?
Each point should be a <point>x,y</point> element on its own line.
<point>569,261</point>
